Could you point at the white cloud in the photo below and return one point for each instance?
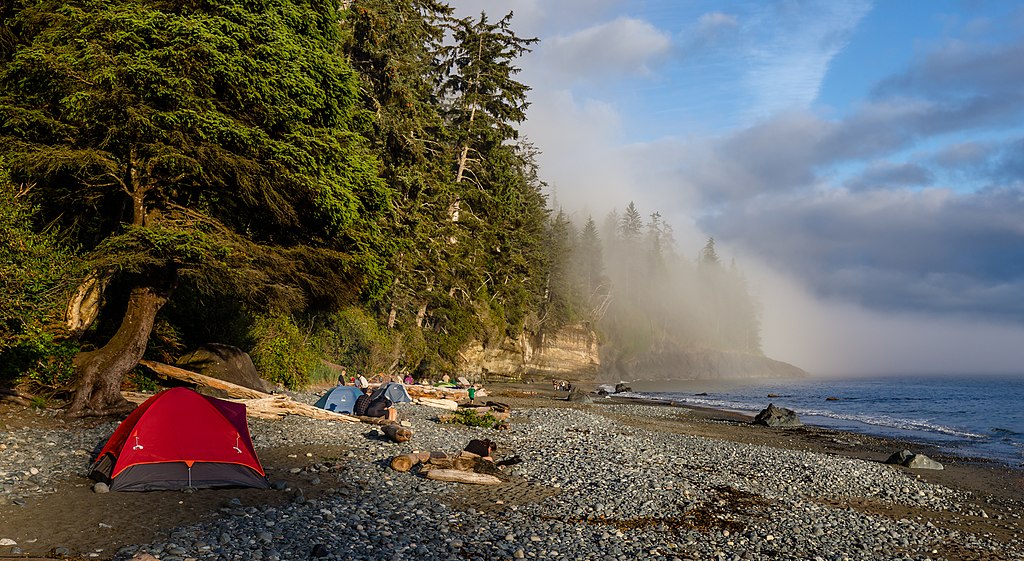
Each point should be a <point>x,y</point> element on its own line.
<point>625,46</point>
<point>790,49</point>
<point>712,23</point>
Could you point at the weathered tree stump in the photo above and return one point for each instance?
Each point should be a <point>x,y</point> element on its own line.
<point>397,433</point>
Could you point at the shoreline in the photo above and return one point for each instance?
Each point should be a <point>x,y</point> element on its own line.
<point>978,475</point>
<point>618,479</point>
<point>949,439</point>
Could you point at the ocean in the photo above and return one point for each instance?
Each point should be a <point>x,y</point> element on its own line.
<point>967,416</point>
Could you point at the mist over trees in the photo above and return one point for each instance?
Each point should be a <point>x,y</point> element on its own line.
<point>630,282</point>
<point>340,182</point>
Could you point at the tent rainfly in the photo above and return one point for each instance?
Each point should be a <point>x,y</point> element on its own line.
<point>180,439</point>
<point>392,390</point>
<point>340,399</point>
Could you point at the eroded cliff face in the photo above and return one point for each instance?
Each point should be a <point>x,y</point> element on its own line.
<point>571,353</point>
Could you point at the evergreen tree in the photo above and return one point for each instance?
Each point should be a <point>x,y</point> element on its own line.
<point>185,142</point>
<point>631,224</point>
<point>562,303</point>
<point>708,255</point>
<point>485,100</point>
<point>395,48</point>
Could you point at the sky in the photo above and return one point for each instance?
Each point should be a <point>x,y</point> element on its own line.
<point>862,161</point>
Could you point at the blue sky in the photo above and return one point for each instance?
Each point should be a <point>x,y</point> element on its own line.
<point>863,160</point>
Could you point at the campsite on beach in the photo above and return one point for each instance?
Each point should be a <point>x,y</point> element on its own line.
<point>548,483</point>
<point>493,280</point>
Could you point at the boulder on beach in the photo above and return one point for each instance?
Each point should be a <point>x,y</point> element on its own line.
<point>908,459</point>
<point>773,416</point>
<point>226,363</point>
<point>580,397</point>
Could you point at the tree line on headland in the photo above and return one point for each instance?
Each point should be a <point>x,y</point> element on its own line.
<point>338,180</point>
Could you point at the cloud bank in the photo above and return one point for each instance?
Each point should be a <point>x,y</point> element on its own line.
<point>885,234</point>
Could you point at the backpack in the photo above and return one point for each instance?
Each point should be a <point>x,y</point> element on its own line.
<point>379,407</point>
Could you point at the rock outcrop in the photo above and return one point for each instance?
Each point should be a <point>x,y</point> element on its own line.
<point>571,353</point>
<point>226,363</point>
<point>574,353</point>
<point>773,416</point>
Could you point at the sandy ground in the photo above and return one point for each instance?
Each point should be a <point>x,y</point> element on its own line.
<point>77,518</point>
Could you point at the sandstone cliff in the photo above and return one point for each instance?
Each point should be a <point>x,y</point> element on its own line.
<point>572,352</point>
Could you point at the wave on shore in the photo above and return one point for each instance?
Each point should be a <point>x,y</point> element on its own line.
<point>969,416</point>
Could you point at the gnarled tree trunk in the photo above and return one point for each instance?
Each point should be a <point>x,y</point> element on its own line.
<point>100,372</point>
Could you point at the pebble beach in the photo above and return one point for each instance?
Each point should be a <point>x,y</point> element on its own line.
<point>607,481</point>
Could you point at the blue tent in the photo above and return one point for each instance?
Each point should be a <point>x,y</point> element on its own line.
<point>340,399</point>
<point>393,391</point>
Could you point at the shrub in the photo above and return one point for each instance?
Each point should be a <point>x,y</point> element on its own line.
<point>35,275</point>
<point>282,353</point>
<point>471,418</point>
<point>353,338</point>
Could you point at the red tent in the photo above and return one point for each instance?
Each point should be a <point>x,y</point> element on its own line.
<point>179,439</point>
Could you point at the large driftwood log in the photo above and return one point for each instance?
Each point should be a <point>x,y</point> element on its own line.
<point>463,461</point>
<point>277,406</point>
<point>459,476</point>
<point>233,390</point>
<point>404,462</point>
<point>456,394</point>
<point>269,407</point>
<point>438,403</point>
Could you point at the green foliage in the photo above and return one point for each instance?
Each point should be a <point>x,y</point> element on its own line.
<point>35,275</point>
<point>141,382</point>
<point>353,338</point>
<point>452,326</point>
<point>322,374</point>
<point>283,354</point>
<point>40,359</point>
<point>471,418</point>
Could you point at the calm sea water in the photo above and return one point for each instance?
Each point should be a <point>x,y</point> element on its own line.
<point>971,416</point>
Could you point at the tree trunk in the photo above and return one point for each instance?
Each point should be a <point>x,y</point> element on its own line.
<point>100,372</point>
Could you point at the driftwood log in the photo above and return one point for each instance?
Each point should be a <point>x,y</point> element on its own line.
<point>15,396</point>
<point>397,433</point>
<point>270,407</point>
<point>431,461</point>
<point>277,406</point>
<point>404,462</point>
<point>455,394</point>
<point>459,476</point>
<point>232,390</point>
<point>438,403</point>
<point>258,404</point>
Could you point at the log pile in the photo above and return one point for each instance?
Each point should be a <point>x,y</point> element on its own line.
<point>464,467</point>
